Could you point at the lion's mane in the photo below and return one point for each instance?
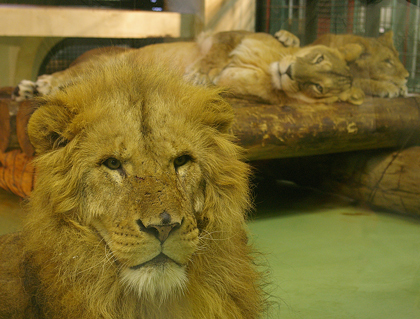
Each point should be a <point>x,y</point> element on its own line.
<point>62,266</point>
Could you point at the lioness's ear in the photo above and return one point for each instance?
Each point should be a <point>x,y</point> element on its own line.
<point>48,127</point>
<point>387,39</point>
<point>354,96</point>
<point>351,51</point>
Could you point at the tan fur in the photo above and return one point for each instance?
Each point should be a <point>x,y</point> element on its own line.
<point>93,227</point>
<point>176,56</point>
<point>257,64</point>
<point>378,70</point>
<point>247,63</point>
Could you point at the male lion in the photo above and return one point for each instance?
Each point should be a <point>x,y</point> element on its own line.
<point>246,63</point>
<point>378,70</point>
<point>139,205</point>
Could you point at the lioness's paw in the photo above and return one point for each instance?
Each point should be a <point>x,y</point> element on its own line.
<point>287,39</point>
<point>43,84</point>
<point>403,90</point>
<point>25,90</point>
<point>389,90</point>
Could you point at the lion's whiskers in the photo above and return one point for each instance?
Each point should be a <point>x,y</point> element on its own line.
<point>209,235</point>
<point>206,238</point>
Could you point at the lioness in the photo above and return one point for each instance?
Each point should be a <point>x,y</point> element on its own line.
<point>139,205</point>
<point>378,70</point>
<point>246,63</point>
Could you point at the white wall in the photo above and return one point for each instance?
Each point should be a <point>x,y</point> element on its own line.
<point>21,56</point>
<point>224,15</point>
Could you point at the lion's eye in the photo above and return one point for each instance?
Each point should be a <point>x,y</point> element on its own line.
<point>181,160</point>
<point>320,59</point>
<point>319,88</point>
<point>112,163</point>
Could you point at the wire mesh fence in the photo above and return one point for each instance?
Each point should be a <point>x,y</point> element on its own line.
<point>308,19</point>
<point>66,51</point>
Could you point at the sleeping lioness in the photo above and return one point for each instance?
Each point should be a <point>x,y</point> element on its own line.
<point>245,63</point>
<point>258,64</point>
<point>378,70</point>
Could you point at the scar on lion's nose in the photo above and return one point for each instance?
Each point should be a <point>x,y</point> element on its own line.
<point>166,218</point>
<point>160,231</point>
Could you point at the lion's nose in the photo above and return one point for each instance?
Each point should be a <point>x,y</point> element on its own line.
<point>162,229</point>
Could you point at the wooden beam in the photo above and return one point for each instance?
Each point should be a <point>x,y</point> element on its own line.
<point>44,21</point>
<point>271,131</point>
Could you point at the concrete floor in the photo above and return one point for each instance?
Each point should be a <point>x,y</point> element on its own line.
<point>326,258</point>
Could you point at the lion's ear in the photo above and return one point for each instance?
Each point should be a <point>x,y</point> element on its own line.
<point>48,127</point>
<point>354,96</point>
<point>351,51</point>
<point>222,116</point>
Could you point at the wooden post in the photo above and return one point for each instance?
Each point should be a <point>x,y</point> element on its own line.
<point>387,179</point>
<point>4,126</point>
<point>16,173</point>
<point>8,137</point>
<point>22,118</point>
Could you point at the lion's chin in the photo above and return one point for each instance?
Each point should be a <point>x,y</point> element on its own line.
<point>156,280</point>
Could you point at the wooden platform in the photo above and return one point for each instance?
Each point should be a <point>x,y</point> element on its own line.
<point>271,131</point>
<point>291,131</point>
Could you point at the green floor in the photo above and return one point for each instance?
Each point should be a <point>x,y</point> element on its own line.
<point>327,258</point>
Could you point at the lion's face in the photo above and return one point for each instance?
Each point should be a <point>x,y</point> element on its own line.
<point>316,74</point>
<point>133,164</point>
<point>145,189</point>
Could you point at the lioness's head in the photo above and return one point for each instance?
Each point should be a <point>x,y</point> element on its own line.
<point>318,74</point>
<point>144,163</point>
<point>379,60</point>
